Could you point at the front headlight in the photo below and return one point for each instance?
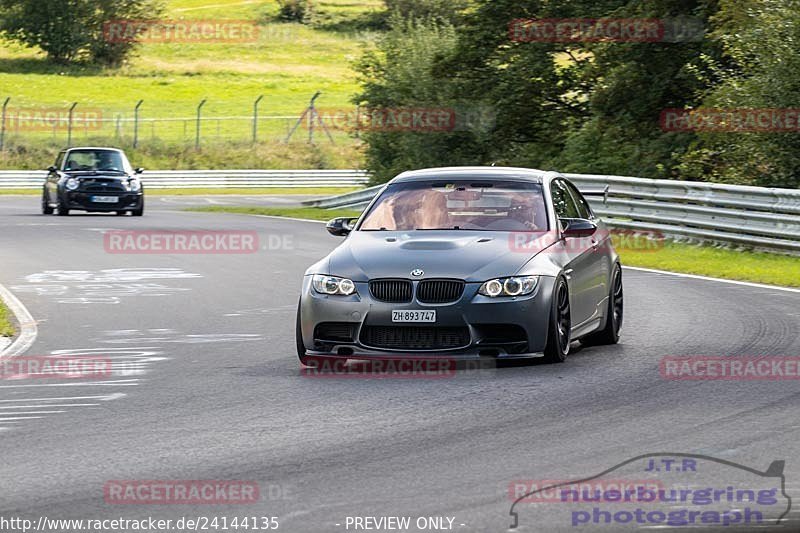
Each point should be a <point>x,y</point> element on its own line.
<point>516,286</point>
<point>333,285</point>
<point>73,184</point>
<point>135,185</point>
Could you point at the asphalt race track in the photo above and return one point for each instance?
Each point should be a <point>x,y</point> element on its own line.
<point>207,386</point>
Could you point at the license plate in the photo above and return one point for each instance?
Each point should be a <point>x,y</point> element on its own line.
<point>413,316</point>
<point>105,199</point>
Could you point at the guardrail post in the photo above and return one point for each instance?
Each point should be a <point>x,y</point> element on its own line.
<point>136,123</point>
<point>255,119</point>
<point>3,125</point>
<point>69,124</point>
<point>197,130</point>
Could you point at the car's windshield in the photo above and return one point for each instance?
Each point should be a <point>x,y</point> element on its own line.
<point>89,160</point>
<point>459,205</point>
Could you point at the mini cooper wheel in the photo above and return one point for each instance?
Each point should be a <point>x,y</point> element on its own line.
<point>139,211</point>
<point>610,333</point>
<point>46,209</point>
<point>63,210</point>
<point>559,332</point>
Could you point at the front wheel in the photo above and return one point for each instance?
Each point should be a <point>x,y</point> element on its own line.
<point>559,334</point>
<point>46,209</point>
<point>314,361</point>
<point>610,333</point>
<point>63,210</point>
<point>140,210</point>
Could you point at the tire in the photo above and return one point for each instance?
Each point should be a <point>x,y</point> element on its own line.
<point>46,209</point>
<point>558,333</point>
<point>140,210</point>
<point>614,314</point>
<point>313,361</point>
<point>63,210</point>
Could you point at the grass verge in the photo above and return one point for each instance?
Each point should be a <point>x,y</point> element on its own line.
<point>758,267</point>
<point>311,213</point>
<point>725,263</point>
<point>6,328</point>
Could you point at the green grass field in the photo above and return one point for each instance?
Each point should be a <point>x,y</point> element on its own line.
<point>6,329</point>
<point>725,263</point>
<point>287,64</point>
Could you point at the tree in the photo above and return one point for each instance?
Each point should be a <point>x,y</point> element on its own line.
<point>760,69</point>
<point>73,30</point>
<point>400,76</point>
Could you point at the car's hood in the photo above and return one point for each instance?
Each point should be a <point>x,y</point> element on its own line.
<point>468,255</point>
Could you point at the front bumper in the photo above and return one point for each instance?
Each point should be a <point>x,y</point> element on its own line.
<point>474,327</point>
<point>126,201</point>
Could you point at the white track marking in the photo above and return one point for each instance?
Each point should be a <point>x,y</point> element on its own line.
<point>103,398</point>
<point>50,405</point>
<point>27,325</point>
<point>117,383</point>
<point>706,278</point>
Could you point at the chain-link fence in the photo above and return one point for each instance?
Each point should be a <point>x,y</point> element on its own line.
<point>80,124</point>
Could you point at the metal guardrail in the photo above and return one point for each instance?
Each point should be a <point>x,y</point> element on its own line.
<point>756,217</point>
<point>213,179</point>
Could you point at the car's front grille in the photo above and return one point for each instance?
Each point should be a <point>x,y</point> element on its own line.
<point>102,186</point>
<point>414,337</point>
<point>391,290</point>
<point>439,291</point>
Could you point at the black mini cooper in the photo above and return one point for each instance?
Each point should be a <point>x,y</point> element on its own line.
<point>94,180</point>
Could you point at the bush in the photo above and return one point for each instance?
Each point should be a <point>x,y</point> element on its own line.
<point>295,11</point>
<point>440,10</point>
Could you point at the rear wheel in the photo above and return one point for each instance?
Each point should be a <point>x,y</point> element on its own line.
<point>559,332</point>
<point>610,333</point>
<point>46,209</point>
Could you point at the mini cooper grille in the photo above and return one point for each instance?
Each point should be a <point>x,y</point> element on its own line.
<point>440,291</point>
<point>415,338</point>
<point>102,186</point>
<point>391,290</point>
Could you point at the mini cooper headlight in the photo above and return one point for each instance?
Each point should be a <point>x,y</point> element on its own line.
<point>72,184</point>
<point>135,185</point>
<point>333,285</point>
<point>516,286</point>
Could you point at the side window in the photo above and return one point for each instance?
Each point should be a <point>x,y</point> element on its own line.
<point>60,160</point>
<point>562,201</point>
<point>584,210</point>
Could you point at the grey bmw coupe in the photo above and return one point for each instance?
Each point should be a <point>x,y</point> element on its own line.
<point>464,263</point>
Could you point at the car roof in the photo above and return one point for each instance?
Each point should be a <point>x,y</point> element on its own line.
<point>487,173</point>
<point>91,148</point>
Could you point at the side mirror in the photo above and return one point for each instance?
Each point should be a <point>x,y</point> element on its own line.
<point>579,228</point>
<point>139,170</point>
<point>51,168</point>
<point>341,227</point>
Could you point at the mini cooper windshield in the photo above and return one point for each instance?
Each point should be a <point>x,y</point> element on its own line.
<point>459,205</point>
<point>87,160</point>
